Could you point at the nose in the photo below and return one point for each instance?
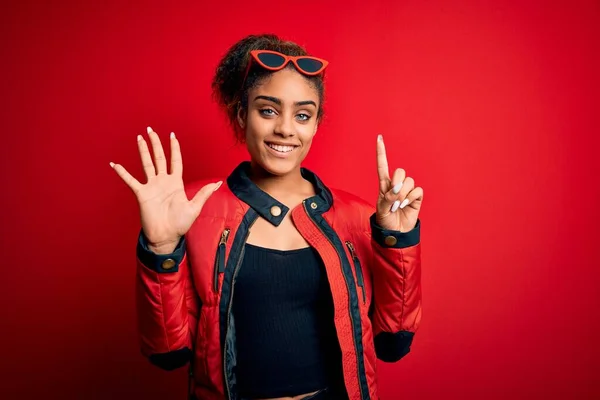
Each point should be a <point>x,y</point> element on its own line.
<point>284,127</point>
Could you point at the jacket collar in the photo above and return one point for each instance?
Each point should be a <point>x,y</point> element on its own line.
<point>242,186</point>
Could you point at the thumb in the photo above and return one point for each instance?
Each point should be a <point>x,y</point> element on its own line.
<point>203,195</point>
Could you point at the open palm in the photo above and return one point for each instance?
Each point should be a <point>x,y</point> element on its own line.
<point>166,212</point>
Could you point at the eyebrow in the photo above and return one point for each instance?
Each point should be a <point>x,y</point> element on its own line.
<point>278,101</point>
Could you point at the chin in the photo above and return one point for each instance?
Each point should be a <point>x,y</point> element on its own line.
<point>278,167</point>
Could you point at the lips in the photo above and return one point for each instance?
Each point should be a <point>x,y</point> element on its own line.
<point>281,148</point>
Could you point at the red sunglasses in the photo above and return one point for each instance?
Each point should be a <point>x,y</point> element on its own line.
<point>274,61</point>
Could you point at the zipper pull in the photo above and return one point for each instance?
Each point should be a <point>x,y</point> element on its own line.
<point>220,258</point>
<point>351,248</point>
<point>224,237</point>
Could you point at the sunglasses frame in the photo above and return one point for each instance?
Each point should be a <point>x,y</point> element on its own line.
<point>254,55</point>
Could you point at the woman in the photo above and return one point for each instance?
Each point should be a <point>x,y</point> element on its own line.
<point>274,286</point>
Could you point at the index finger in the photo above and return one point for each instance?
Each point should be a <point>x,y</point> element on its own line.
<point>382,165</point>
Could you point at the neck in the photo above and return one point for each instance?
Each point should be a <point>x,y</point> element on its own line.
<point>291,182</point>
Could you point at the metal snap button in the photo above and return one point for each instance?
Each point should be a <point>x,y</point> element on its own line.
<point>313,205</point>
<point>276,211</point>
<point>391,241</point>
<point>168,263</point>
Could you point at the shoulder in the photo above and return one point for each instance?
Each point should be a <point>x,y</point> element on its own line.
<point>343,199</point>
<point>350,210</point>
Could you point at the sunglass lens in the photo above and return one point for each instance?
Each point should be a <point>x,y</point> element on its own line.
<point>271,60</point>
<point>310,65</point>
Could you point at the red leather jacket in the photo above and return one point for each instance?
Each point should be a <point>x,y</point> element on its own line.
<point>184,299</point>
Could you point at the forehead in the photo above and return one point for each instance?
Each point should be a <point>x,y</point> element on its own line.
<point>287,85</point>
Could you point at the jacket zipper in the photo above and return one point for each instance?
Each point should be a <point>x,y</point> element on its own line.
<point>348,288</point>
<point>358,268</point>
<point>220,258</point>
<point>230,305</point>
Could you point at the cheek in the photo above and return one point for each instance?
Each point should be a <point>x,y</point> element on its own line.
<point>252,130</point>
<point>257,127</point>
<point>306,144</point>
<point>257,130</point>
<point>307,132</point>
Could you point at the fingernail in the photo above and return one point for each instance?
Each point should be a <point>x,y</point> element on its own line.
<point>379,138</point>
<point>404,203</point>
<point>395,205</point>
<point>149,130</point>
<point>139,137</point>
<point>397,188</point>
<point>218,185</point>
<point>172,135</point>
<point>112,164</point>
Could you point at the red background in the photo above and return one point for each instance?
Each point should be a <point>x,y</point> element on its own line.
<point>491,107</point>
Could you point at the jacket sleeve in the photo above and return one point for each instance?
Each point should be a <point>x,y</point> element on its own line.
<point>396,274</point>
<point>167,306</point>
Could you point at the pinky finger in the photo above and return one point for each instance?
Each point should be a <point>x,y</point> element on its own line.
<point>129,180</point>
<point>176,163</point>
<point>415,195</point>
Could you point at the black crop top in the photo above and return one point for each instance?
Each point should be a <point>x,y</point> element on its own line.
<point>285,333</point>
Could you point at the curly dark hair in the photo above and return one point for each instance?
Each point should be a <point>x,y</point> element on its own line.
<point>227,82</point>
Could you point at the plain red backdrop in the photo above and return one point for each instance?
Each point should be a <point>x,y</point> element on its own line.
<point>492,108</point>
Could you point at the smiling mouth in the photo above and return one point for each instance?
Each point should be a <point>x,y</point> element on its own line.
<point>281,148</point>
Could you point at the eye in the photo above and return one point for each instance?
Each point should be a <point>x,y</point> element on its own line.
<point>267,112</point>
<point>303,117</point>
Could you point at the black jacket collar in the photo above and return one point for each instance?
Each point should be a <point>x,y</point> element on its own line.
<point>240,184</point>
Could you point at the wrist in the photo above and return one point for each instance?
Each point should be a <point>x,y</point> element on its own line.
<point>385,224</point>
<point>394,238</point>
<point>165,247</point>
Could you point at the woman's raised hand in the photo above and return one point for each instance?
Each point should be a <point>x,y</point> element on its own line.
<point>399,200</point>
<point>166,212</point>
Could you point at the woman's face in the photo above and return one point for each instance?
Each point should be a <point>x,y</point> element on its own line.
<point>281,121</point>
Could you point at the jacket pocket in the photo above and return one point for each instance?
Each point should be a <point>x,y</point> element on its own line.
<point>357,267</point>
<point>220,258</point>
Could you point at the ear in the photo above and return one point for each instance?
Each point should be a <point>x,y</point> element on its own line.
<point>241,117</point>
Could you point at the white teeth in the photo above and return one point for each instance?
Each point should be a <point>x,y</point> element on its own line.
<point>282,149</point>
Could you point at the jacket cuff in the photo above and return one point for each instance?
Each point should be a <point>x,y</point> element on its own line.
<point>163,263</point>
<point>395,239</point>
<point>391,347</point>
<point>172,360</point>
